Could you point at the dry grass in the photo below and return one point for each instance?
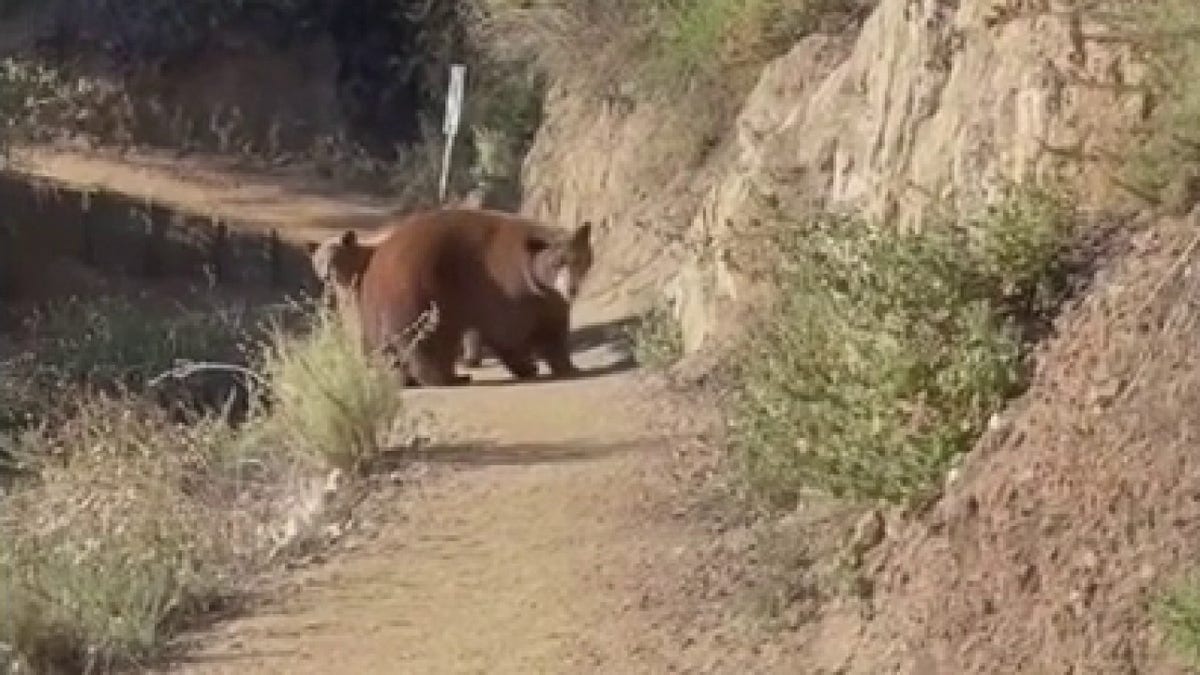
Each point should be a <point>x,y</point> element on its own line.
<point>123,524</point>
<point>125,533</point>
<point>332,401</point>
<point>661,47</point>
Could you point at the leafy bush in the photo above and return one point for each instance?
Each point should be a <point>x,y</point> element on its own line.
<point>657,338</point>
<point>1167,146</point>
<point>1177,613</point>
<point>887,353</point>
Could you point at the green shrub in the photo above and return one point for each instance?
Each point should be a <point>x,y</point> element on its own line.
<point>657,338</point>
<point>887,353</point>
<point>1177,613</point>
<point>1167,145</point>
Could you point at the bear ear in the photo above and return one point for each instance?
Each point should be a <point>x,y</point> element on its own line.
<point>349,239</point>
<point>582,237</point>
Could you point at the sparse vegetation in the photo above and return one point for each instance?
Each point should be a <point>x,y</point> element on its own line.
<point>1166,148</point>
<point>657,338</point>
<point>122,524</point>
<point>665,45</point>
<point>1177,614</point>
<point>113,340</point>
<point>125,532</point>
<point>111,344</point>
<point>333,402</point>
<point>887,353</point>
<point>695,59</point>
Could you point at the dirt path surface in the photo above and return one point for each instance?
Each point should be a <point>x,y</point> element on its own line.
<point>297,205</point>
<point>547,536</point>
<point>526,559</point>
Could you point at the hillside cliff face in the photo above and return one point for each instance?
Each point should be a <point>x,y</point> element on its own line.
<point>933,102</point>
<point>1078,507</point>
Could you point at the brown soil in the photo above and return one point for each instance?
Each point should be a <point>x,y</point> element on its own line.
<point>1076,510</point>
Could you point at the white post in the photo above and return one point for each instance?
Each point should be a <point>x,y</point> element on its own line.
<point>454,100</point>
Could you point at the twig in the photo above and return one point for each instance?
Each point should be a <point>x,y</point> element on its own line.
<point>188,368</point>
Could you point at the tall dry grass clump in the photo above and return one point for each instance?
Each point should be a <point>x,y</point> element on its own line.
<point>332,400</point>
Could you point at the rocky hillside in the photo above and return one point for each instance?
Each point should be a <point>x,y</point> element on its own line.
<point>1075,514</point>
<point>928,103</point>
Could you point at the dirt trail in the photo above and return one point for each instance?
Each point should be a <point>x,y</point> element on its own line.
<point>520,563</point>
<point>208,186</point>
<point>550,545</point>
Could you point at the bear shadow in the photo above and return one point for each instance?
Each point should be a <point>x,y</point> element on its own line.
<point>613,335</point>
<point>484,453</point>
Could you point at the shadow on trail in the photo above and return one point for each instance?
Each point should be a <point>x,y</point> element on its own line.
<point>484,454</point>
<point>621,365</point>
<point>248,655</point>
<point>613,335</point>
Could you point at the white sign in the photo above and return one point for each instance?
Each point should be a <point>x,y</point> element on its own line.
<point>454,98</point>
<point>454,101</point>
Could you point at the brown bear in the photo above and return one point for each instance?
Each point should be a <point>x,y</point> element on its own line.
<point>339,263</point>
<point>510,278</point>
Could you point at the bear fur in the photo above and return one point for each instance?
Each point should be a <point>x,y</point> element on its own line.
<point>339,263</point>
<point>509,278</point>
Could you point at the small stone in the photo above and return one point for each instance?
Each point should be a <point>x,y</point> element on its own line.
<point>1146,572</point>
<point>869,532</point>
<point>333,482</point>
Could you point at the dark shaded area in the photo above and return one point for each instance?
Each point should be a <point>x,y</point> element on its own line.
<point>96,257</point>
<point>57,241</point>
<point>390,59</point>
<point>606,333</point>
<point>516,454</point>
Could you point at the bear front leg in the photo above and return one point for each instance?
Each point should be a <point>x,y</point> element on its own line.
<point>554,345</point>
<point>472,349</point>
<point>518,362</point>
